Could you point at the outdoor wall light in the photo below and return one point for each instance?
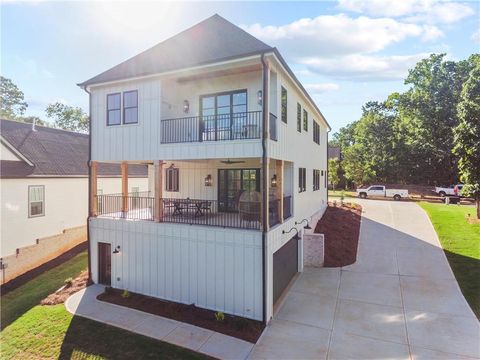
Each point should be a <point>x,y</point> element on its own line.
<point>186,106</point>
<point>273,182</point>
<point>307,227</point>
<point>293,228</point>
<point>259,97</point>
<point>117,250</point>
<point>208,180</point>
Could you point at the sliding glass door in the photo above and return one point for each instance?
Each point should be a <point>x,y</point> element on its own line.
<point>232,183</point>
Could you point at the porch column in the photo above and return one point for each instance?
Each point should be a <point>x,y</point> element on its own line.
<point>279,195</point>
<point>124,167</point>
<point>158,178</point>
<point>93,189</point>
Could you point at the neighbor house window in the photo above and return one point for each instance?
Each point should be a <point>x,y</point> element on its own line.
<point>36,200</point>
<point>316,180</point>
<point>171,179</point>
<point>130,107</point>
<point>284,105</point>
<point>299,117</point>
<point>316,132</point>
<point>302,179</point>
<point>305,120</point>
<point>114,115</point>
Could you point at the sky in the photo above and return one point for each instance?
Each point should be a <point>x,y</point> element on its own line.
<point>345,52</point>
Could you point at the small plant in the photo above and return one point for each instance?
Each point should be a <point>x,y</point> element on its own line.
<point>108,290</point>
<point>68,282</point>
<point>126,294</point>
<point>219,316</point>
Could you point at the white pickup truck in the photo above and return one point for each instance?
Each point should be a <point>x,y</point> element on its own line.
<point>380,191</point>
<point>448,191</point>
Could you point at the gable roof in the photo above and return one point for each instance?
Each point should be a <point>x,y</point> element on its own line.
<point>51,152</point>
<point>212,40</point>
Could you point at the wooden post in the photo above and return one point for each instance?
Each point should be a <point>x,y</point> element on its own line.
<point>93,189</point>
<point>279,194</point>
<point>158,190</point>
<point>124,167</point>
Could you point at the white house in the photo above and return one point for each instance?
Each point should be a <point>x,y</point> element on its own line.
<point>237,156</point>
<point>44,184</point>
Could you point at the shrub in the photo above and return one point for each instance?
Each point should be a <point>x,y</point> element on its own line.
<point>126,294</point>
<point>219,316</point>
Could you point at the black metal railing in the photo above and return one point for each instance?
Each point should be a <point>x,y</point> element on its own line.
<point>231,126</point>
<point>273,212</point>
<point>126,207</point>
<point>273,127</point>
<point>287,207</point>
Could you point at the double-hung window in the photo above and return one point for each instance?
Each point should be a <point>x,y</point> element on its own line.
<point>316,132</point>
<point>302,180</point>
<point>299,117</point>
<point>130,107</point>
<point>171,179</point>
<point>36,200</point>
<point>316,180</point>
<point>284,105</point>
<point>305,120</point>
<point>114,113</point>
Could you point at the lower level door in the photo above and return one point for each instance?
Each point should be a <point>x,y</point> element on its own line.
<point>285,266</point>
<point>104,264</point>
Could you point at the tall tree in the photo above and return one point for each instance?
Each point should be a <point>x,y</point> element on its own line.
<point>467,136</point>
<point>12,102</point>
<point>333,172</point>
<point>356,165</point>
<point>68,117</point>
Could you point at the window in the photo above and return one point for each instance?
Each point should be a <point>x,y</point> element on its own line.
<point>316,180</point>
<point>130,107</point>
<point>113,109</point>
<point>36,201</point>
<point>316,132</point>
<point>284,105</point>
<point>299,117</point>
<point>305,120</point>
<point>171,179</point>
<point>325,179</point>
<point>302,179</point>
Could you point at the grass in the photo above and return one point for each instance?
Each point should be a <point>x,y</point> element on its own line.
<point>338,193</point>
<point>32,331</point>
<point>461,243</point>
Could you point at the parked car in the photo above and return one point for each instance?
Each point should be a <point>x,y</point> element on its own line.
<point>381,191</point>
<point>452,190</point>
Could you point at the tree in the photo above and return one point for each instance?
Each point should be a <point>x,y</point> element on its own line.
<point>333,169</point>
<point>12,99</point>
<point>357,167</point>
<point>467,136</point>
<point>68,117</point>
<point>31,119</point>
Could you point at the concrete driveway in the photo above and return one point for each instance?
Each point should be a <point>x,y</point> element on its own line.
<point>400,299</point>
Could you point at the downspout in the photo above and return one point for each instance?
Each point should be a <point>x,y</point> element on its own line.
<point>327,169</point>
<point>264,182</point>
<point>89,281</point>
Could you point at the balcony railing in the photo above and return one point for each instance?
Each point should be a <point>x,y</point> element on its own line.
<point>126,207</point>
<point>231,126</point>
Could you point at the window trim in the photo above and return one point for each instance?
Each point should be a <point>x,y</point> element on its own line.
<point>299,117</point>
<point>167,182</point>
<point>316,179</point>
<point>302,179</point>
<point>29,201</point>
<point>305,120</point>
<point>119,109</point>
<point>129,107</point>
<point>284,104</point>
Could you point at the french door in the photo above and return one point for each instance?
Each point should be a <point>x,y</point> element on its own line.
<point>232,183</point>
<point>223,115</point>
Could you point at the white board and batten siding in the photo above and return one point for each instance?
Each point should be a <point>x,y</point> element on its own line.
<point>213,268</point>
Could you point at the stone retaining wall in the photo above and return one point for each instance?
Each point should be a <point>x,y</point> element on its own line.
<point>313,244</point>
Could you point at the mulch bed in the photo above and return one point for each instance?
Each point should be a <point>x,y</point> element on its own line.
<point>341,227</point>
<point>62,294</point>
<point>31,274</point>
<point>236,326</point>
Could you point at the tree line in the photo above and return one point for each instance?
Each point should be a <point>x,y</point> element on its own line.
<point>62,116</point>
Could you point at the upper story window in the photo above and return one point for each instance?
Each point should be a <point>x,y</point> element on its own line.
<point>299,117</point>
<point>171,179</point>
<point>130,107</point>
<point>316,180</point>
<point>36,200</point>
<point>114,114</point>
<point>316,132</point>
<point>302,180</point>
<point>305,120</point>
<point>284,105</point>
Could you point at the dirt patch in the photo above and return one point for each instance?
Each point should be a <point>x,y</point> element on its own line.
<point>236,326</point>
<point>341,226</point>
<point>70,288</point>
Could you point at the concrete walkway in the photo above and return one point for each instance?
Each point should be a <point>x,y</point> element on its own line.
<point>85,304</point>
<point>399,300</point>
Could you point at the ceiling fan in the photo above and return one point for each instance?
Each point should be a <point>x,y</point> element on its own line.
<point>229,162</point>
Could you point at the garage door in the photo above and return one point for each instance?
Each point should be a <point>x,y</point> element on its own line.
<point>285,266</point>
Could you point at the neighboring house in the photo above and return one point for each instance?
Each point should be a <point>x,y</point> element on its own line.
<point>237,156</point>
<point>44,183</point>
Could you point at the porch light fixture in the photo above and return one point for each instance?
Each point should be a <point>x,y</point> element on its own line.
<point>208,180</point>
<point>306,227</point>
<point>273,182</point>
<point>293,228</point>
<point>117,250</point>
<point>259,97</point>
<point>186,106</point>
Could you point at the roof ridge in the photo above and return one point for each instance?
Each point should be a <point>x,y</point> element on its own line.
<point>43,127</point>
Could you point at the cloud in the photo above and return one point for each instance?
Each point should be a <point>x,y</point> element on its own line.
<point>476,36</point>
<point>333,35</point>
<point>32,69</point>
<point>430,11</point>
<point>321,88</point>
<point>364,67</point>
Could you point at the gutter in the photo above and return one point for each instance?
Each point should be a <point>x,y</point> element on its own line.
<point>264,183</point>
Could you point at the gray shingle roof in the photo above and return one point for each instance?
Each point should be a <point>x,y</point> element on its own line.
<point>53,152</point>
<point>212,40</point>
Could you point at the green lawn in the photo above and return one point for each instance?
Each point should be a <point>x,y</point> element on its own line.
<point>338,193</point>
<point>32,331</point>
<point>461,243</point>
